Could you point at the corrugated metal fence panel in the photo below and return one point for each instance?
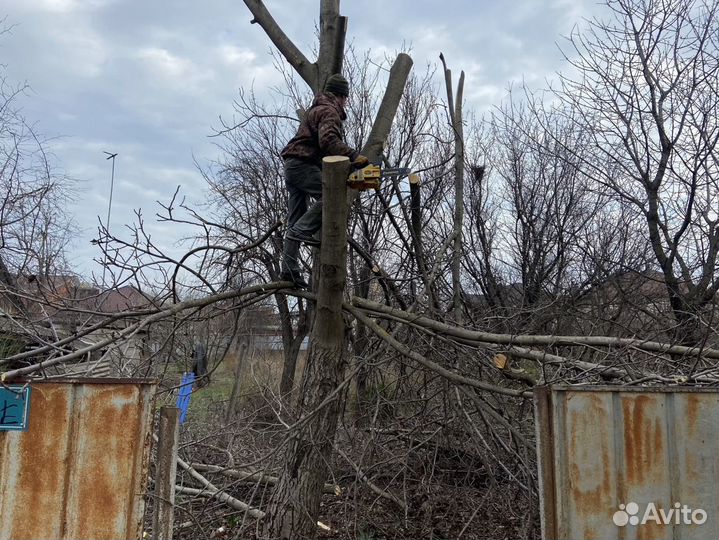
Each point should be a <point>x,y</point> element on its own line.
<point>80,471</point>
<point>602,447</point>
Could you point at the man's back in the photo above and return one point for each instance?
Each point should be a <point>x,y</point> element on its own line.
<point>320,133</point>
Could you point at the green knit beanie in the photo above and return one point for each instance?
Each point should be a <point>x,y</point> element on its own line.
<point>337,85</point>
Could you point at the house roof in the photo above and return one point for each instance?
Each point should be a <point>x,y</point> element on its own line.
<point>125,298</point>
<point>58,296</point>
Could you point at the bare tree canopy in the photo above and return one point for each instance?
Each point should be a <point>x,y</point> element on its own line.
<point>569,236</point>
<point>646,95</point>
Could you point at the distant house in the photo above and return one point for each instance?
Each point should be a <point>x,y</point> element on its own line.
<point>59,306</point>
<point>633,302</point>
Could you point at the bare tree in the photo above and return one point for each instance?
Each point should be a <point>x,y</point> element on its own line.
<point>34,229</point>
<point>645,88</point>
<point>296,506</point>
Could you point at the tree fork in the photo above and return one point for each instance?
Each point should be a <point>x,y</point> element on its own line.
<point>294,506</point>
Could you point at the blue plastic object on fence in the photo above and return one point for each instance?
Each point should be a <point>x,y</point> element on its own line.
<point>183,397</point>
<point>14,407</point>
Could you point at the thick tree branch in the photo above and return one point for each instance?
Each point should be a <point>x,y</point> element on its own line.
<point>388,107</point>
<point>306,69</point>
<point>526,339</point>
<point>444,372</point>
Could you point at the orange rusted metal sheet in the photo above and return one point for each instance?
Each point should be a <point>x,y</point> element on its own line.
<point>80,470</point>
<point>628,463</point>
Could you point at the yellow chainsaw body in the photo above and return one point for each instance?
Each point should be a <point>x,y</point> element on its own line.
<point>365,178</point>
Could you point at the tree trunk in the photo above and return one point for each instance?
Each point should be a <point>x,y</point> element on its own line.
<point>291,343</point>
<point>233,404</point>
<point>333,28</point>
<point>294,504</point>
<point>293,508</point>
<point>360,343</point>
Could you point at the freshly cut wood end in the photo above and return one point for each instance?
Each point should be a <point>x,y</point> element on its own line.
<point>335,159</point>
<point>500,361</point>
<point>414,178</point>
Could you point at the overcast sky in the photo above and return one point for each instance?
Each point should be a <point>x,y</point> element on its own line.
<point>148,79</point>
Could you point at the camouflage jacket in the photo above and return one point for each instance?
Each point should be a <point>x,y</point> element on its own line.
<point>320,133</point>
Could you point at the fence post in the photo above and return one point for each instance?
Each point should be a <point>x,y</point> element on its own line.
<point>165,470</point>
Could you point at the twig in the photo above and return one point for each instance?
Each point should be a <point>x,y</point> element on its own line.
<point>374,487</point>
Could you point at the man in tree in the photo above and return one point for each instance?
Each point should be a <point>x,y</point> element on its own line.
<point>320,134</point>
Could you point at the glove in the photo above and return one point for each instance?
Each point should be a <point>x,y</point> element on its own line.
<point>360,162</point>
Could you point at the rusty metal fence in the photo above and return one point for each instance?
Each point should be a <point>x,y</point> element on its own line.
<point>80,469</point>
<point>628,463</point>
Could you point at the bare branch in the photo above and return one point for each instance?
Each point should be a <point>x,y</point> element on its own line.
<point>308,71</point>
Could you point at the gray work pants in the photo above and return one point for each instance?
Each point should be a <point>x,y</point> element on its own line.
<point>302,179</point>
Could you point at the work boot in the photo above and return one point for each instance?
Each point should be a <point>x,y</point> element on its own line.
<point>304,238</point>
<point>295,277</point>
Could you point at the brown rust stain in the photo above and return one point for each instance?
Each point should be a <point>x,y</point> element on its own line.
<point>589,491</point>
<point>692,412</point>
<point>106,452</point>
<point>694,468</point>
<point>42,462</point>
<point>643,438</point>
<point>141,465</point>
<point>92,489</point>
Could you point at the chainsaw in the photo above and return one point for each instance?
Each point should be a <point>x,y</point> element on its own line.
<point>369,177</point>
